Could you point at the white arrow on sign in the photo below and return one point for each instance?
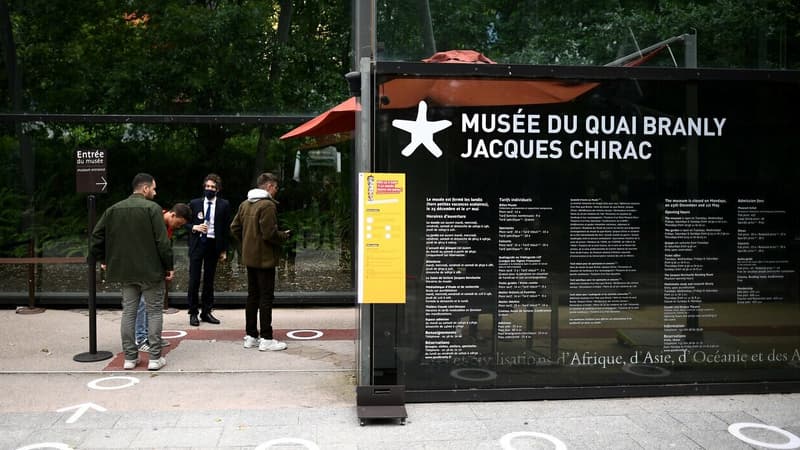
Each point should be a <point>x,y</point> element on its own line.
<point>104,183</point>
<point>80,410</point>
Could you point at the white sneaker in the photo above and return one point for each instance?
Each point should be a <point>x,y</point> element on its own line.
<point>250,341</point>
<point>156,364</point>
<point>130,364</point>
<point>270,344</point>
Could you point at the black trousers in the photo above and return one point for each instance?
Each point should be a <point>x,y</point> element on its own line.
<point>260,294</point>
<point>203,259</point>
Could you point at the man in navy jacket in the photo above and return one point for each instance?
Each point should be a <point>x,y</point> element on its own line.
<point>208,244</point>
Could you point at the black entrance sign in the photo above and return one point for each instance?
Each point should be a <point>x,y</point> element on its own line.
<point>641,237</point>
<point>90,170</point>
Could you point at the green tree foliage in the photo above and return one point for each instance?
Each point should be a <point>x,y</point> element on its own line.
<point>178,56</point>
<point>162,57</point>
<point>316,56</point>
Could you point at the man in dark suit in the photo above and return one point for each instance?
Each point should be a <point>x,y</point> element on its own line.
<point>208,243</point>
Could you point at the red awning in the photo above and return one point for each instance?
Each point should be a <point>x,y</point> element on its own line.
<point>335,120</point>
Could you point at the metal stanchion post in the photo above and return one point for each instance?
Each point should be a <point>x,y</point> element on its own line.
<point>92,355</point>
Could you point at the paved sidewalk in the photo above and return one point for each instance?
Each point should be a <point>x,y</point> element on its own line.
<point>215,394</point>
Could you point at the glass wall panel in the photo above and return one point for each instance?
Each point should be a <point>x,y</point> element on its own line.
<point>618,231</point>
<point>45,217</point>
<point>743,34</point>
<point>177,89</point>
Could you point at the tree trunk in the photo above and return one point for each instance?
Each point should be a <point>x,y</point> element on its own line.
<point>284,28</point>
<point>265,132</point>
<point>428,40</point>
<point>211,139</point>
<point>25,147</point>
<point>15,93</point>
<point>261,151</point>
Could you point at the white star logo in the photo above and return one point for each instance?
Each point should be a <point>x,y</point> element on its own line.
<point>421,131</point>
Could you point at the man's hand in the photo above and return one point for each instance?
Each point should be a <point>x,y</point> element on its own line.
<point>170,275</point>
<point>103,266</point>
<point>223,256</point>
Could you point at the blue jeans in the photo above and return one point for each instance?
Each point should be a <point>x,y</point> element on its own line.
<point>141,322</point>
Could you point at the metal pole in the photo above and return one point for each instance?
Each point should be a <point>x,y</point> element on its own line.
<point>93,354</point>
<point>364,47</point>
<point>363,164</point>
<point>646,50</point>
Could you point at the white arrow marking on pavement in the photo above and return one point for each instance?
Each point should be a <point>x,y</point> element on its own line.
<point>104,183</point>
<point>80,410</point>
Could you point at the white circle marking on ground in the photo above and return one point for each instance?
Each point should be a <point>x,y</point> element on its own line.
<point>280,441</point>
<point>736,430</point>
<point>55,445</point>
<point>95,384</point>
<point>505,441</point>
<point>315,334</point>
<point>650,371</point>
<point>178,334</point>
<point>456,373</point>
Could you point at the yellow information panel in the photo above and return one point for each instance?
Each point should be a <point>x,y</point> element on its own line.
<point>382,238</point>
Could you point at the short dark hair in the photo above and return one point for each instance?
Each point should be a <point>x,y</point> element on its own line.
<point>141,179</point>
<point>265,178</point>
<point>215,178</point>
<point>182,211</point>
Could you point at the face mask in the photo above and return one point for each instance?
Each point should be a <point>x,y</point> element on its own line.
<point>210,194</point>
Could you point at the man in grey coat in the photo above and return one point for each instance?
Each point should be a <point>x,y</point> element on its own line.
<point>131,240</point>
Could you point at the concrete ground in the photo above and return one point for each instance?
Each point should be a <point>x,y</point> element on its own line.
<point>215,394</point>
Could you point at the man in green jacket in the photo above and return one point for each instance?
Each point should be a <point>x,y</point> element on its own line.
<point>256,227</point>
<point>131,240</point>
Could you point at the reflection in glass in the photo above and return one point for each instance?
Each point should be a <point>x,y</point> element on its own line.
<point>50,220</point>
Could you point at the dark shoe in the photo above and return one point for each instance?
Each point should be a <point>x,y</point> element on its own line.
<point>209,318</point>
<point>193,320</point>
